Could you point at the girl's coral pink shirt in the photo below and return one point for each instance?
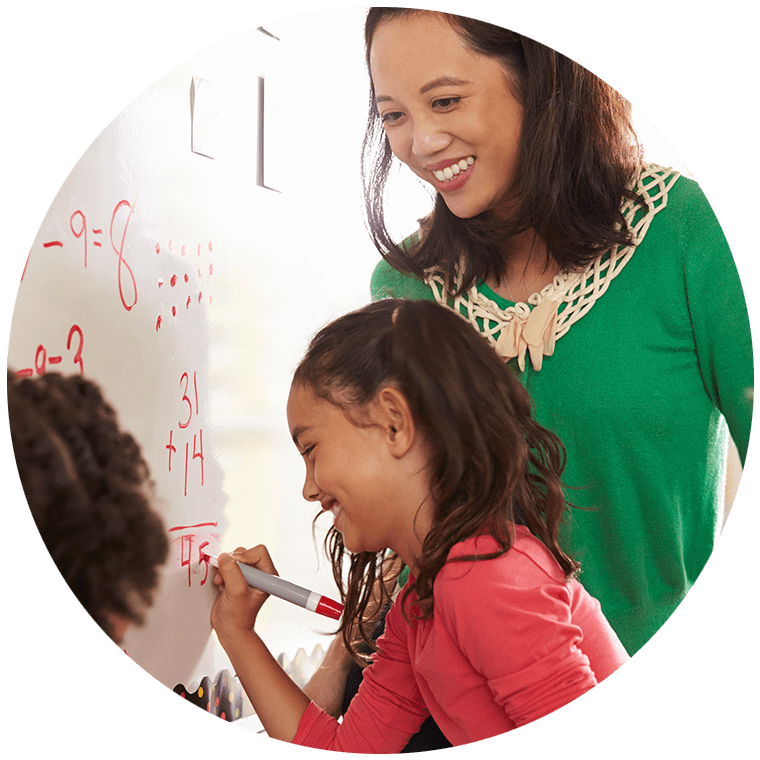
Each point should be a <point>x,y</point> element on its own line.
<point>510,641</point>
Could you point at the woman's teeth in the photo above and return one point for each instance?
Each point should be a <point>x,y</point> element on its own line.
<point>451,171</point>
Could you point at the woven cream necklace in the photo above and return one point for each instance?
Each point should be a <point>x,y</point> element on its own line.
<point>518,329</point>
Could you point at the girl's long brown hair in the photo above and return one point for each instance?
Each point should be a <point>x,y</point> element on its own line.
<point>490,463</point>
<point>578,155</point>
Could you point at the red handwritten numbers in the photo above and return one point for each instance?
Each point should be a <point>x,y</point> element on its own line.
<point>82,231</point>
<point>119,250</point>
<point>76,330</point>
<point>203,559</point>
<point>186,380</point>
<point>189,410</point>
<point>196,455</point>
<point>91,236</point>
<point>191,549</point>
<point>186,556</point>
<point>42,359</point>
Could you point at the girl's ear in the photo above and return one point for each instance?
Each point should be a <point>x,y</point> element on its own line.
<point>395,417</point>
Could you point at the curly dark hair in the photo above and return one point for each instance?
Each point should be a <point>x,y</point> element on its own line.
<point>578,155</point>
<point>491,464</point>
<point>89,490</point>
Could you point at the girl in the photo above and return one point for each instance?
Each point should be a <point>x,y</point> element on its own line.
<point>419,440</point>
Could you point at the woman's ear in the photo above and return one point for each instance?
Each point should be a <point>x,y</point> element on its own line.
<point>395,417</point>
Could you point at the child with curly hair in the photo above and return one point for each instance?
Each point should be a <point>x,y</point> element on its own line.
<point>89,491</point>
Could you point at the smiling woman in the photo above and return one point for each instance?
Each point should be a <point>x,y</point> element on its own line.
<point>603,279</point>
<point>459,131</point>
<point>550,150</point>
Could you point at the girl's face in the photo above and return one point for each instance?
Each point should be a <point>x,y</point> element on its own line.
<point>448,112</point>
<point>349,471</point>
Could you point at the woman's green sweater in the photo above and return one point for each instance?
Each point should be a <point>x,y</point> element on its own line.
<point>639,390</point>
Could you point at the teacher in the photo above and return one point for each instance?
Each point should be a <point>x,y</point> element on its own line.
<point>604,280</point>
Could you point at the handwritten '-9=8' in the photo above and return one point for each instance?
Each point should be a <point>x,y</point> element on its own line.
<point>78,227</point>
<point>183,423</point>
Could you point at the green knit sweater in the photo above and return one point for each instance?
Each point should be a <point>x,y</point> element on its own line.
<point>639,390</point>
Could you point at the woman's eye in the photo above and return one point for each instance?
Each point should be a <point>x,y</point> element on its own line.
<point>391,117</point>
<point>307,451</point>
<point>445,103</point>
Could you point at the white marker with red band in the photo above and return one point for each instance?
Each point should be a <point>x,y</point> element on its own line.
<point>279,587</point>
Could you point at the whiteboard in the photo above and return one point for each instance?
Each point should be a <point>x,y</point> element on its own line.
<point>164,271</point>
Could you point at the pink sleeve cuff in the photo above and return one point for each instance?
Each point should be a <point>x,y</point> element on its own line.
<point>316,728</point>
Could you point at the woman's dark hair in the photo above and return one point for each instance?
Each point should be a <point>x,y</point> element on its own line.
<point>490,463</point>
<point>88,488</point>
<point>577,158</point>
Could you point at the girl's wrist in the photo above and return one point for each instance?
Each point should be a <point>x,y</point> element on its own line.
<point>236,638</point>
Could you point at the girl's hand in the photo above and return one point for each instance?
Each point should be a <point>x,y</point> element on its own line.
<point>238,604</point>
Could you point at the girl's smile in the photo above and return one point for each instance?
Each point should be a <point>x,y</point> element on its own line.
<point>334,508</point>
<point>449,113</point>
<point>354,470</point>
<point>362,472</point>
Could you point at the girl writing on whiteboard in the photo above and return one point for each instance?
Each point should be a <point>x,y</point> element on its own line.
<point>420,440</point>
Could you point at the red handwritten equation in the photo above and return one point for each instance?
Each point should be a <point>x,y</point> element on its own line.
<point>189,411</point>
<point>194,293</point>
<point>190,545</point>
<point>91,238</point>
<point>74,345</point>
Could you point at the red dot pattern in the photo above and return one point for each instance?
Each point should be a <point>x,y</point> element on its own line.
<point>174,280</point>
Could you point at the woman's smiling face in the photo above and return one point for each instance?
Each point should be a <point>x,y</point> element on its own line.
<point>448,112</point>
